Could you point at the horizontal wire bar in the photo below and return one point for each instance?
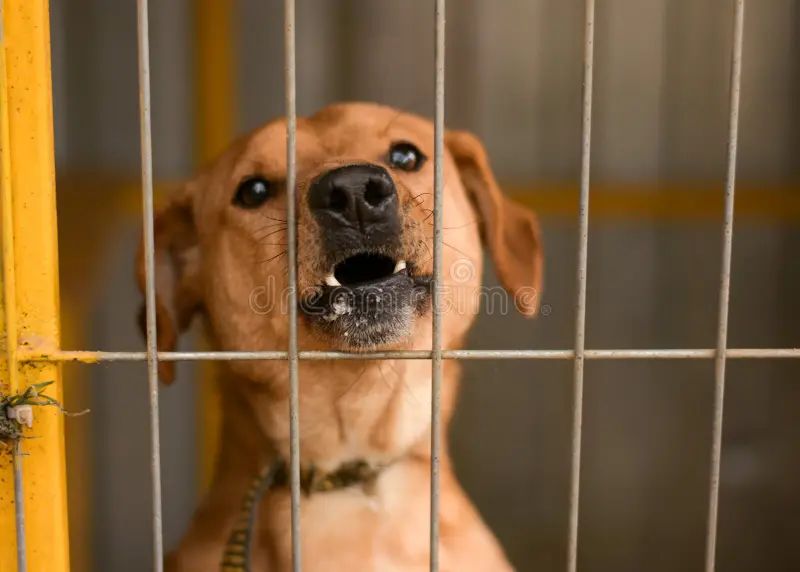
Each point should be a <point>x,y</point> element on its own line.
<point>80,356</point>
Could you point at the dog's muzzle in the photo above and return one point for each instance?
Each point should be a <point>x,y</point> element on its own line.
<point>371,294</point>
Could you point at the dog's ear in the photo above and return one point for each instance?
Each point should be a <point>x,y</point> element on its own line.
<point>510,232</point>
<point>177,269</point>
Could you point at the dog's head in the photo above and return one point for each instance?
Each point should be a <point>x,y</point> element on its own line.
<point>364,235</point>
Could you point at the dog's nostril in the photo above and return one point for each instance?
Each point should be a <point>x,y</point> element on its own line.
<point>375,192</point>
<point>338,199</point>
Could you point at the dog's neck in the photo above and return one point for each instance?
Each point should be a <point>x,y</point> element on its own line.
<point>375,411</point>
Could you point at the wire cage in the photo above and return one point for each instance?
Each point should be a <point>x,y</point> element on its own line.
<point>35,534</point>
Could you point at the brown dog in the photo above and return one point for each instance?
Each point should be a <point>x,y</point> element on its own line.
<point>364,205</point>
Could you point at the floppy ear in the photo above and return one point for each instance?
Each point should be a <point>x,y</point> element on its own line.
<point>510,232</point>
<point>177,269</point>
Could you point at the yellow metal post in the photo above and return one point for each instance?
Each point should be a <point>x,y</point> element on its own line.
<point>31,279</point>
<point>215,122</point>
<point>215,76</point>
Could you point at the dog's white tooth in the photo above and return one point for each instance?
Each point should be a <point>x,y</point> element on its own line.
<point>401,265</point>
<point>331,280</point>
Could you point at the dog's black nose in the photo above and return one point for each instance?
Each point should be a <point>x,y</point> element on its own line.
<point>356,199</point>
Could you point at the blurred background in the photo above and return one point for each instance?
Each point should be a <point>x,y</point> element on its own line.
<point>514,78</point>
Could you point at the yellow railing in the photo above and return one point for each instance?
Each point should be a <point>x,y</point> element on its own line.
<point>30,267</point>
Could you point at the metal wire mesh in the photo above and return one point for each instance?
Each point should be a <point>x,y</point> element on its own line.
<point>437,353</point>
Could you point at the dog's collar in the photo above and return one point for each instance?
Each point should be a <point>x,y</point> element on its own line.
<point>351,473</point>
<point>236,556</point>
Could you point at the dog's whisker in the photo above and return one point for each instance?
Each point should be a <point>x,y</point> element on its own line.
<point>428,248</point>
<point>413,199</point>
<point>460,226</point>
<point>260,238</point>
<point>461,252</point>
<point>430,253</point>
<point>262,215</point>
<point>417,201</point>
<point>272,258</point>
<point>391,122</point>
<point>271,225</point>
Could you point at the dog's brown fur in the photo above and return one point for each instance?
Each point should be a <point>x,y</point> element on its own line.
<point>226,263</point>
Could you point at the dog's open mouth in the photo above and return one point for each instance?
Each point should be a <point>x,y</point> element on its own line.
<point>364,268</point>
<point>368,300</point>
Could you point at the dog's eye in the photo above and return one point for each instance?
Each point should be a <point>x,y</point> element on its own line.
<point>252,193</point>
<point>406,156</point>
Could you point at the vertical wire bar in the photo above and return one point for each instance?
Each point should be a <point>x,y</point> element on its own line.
<point>724,286</point>
<point>291,217</point>
<point>19,510</point>
<point>146,142</point>
<point>436,349</point>
<point>580,304</point>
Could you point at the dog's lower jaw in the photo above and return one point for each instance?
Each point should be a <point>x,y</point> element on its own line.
<point>360,334</point>
<point>369,316</point>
